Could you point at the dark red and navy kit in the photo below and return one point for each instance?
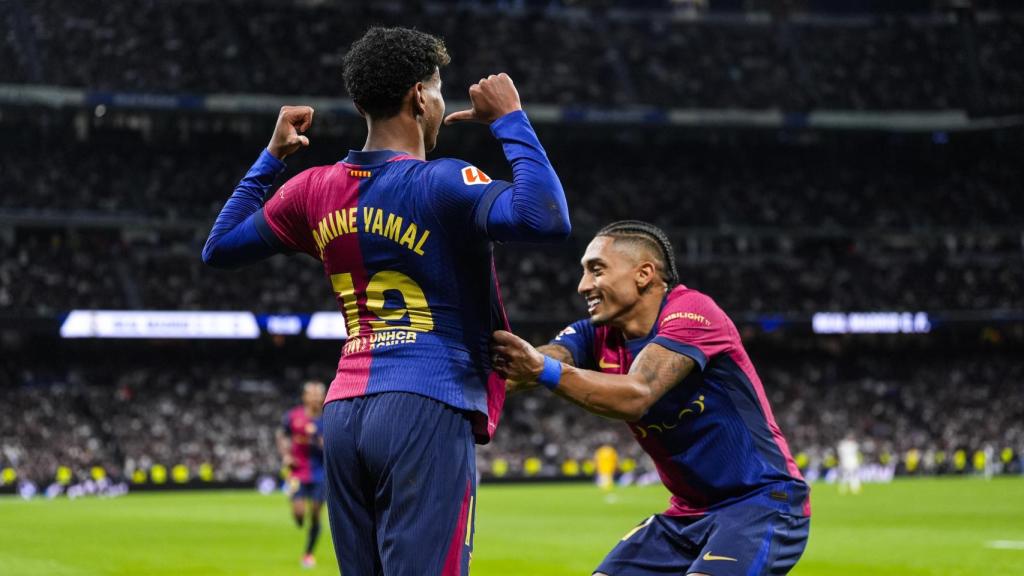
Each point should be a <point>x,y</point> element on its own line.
<point>736,490</point>
<point>410,266</point>
<point>405,245</point>
<point>306,474</point>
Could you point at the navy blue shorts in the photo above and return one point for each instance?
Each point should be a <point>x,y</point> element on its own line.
<point>739,540</point>
<point>401,471</point>
<point>314,491</point>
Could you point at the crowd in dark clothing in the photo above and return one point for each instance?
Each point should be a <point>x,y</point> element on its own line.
<point>109,210</point>
<point>879,62</point>
<point>225,415</point>
<point>850,222</point>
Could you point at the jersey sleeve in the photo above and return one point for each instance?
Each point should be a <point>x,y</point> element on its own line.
<point>461,194</point>
<point>286,423</point>
<point>286,215</point>
<point>578,339</point>
<point>693,325</point>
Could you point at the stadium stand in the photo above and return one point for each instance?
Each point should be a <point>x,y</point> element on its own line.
<point>635,57</point>
<point>773,223</point>
<point>126,416</point>
<point>851,222</point>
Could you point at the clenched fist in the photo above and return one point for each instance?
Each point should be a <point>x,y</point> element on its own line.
<point>491,97</point>
<point>288,138</point>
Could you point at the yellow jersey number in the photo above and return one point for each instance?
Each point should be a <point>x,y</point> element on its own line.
<point>416,308</point>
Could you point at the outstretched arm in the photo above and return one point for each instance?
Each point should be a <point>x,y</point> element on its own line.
<point>240,235</point>
<point>560,353</point>
<point>621,396</point>
<point>533,207</point>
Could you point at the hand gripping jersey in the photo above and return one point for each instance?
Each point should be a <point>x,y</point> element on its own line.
<point>307,452</point>
<point>403,244</point>
<point>712,437</point>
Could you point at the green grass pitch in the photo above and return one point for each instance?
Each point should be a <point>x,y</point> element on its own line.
<point>908,528</point>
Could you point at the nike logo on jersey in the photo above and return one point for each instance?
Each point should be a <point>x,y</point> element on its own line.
<point>709,557</point>
<point>605,365</point>
<point>472,175</point>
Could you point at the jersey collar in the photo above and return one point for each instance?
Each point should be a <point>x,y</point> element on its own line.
<point>654,328</point>
<point>371,157</point>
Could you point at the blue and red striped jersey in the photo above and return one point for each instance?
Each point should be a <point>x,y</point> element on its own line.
<point>305,434</point>
<point>405,248</point>
<point>713,437</point>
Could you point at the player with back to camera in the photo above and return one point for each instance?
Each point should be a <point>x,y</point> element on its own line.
<point>406,246</point>
<point>300,444</point>
<point>668,361</point>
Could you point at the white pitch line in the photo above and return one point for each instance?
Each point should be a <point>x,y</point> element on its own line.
<point>1006,544</point>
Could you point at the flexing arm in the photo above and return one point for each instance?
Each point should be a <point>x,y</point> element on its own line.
<point>240,235</point>
<point>621,396</point>
<point>533,208</point>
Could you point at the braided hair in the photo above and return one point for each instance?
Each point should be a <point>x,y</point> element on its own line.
<point>652,237</point>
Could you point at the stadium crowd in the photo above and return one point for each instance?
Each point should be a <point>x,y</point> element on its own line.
<point>767,222</point>
<point>719,183</point>
<point>847,223</point>
<point>641,57</point>
<point>127,419</point>
<point>225,414</point>
<point>51,272</point>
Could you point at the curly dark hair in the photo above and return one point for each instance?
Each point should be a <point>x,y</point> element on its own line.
<point>381,66</point>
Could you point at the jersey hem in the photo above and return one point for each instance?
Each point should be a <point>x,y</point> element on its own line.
<point>768,496</point>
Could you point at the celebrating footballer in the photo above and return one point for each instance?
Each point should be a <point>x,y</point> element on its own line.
<point>668,361</point>
<point>406,246</point>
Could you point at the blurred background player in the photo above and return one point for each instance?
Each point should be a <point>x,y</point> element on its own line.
<point>672,365</point>
<point>300,443</point>
<point>848,451</point>
<point>406,245</point>
<point>606,458</point>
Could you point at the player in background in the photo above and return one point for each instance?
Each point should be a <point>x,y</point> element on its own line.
<point>848,451</point>
<point>606,459</point>
<point>406,246</point>
<point>668,361</point>
<point>301,446</point>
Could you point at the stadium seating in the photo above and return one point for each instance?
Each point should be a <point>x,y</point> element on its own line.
<point>773,223</point>
<point>127,417</point>
<point>846,223</point>
<point>878,63</point>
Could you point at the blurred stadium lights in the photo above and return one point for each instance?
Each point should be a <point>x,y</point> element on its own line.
<point>871,323</point>
<point>201,325</point>
<point>327,326</point>
<point>159,324</point>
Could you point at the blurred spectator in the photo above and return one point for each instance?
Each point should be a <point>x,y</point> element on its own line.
<point>205,413</point>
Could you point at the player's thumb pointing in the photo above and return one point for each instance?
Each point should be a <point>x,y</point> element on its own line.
<point>460,116</point>
<point>303,141</point>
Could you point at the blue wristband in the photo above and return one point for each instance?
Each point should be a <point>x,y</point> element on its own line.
<point>551,373</point>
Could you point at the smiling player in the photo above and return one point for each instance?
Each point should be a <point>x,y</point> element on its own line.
<point>672,366</point>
